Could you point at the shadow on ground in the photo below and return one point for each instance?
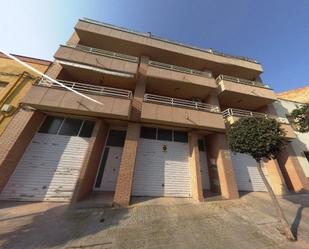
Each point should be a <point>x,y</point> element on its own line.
<point>54,227</point>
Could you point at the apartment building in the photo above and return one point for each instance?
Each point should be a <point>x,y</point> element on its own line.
<point>159,130</point>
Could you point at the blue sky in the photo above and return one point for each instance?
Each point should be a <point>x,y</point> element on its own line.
<point>274,32</point>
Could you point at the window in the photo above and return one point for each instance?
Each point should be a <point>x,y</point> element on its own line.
<point>70,127</point>
<point>307,155</point>
<point>149,133</point>
<point>87,129</point>
<point>67,126</point>
<point>51,125</point>
<point>180,136</point>
<point>116,138</point>
<point>166,135</point>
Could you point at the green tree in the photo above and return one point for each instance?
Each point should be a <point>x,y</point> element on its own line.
<point>300,118</point>
<point>260,137</point>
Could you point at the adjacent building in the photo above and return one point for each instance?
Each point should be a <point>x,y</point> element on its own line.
<point>15,82</point>
<point>159,130</point>
<point>300,144</point>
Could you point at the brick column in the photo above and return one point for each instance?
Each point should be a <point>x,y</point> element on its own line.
<point>292,170</point>
<point>195,168</point>
<point>14,141</point>
<point>91,162</point>
<point>139,91</point>
<point>127,164</point>
<point>219,154</point>
<point>275,177</point>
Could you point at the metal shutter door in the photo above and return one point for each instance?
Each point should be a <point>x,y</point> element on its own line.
<point>159,173</point>
<point>48,170</point>
<point>247,175</point>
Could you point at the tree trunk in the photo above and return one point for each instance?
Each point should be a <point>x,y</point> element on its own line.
<point>287,231</point>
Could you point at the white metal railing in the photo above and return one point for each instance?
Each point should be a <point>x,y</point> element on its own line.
<point>241,81</point>
<point>180,69</point>
<point>86,88</point>
<point>103,52</point>
<point>181,103</point>
<point>243,113</point>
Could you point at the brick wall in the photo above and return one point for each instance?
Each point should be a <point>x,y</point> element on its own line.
<point>126,170</point>
<point>14,141</point>
<point>91,162</point>
<point>217,150</point>
<point>195,168</point>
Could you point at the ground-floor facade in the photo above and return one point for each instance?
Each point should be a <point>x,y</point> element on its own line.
<point>54,157</point>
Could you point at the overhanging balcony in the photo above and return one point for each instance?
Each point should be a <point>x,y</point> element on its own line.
<point>231,115</point>
<point>49,96</point>
<point>111,62</point>
<point>180,112</point>
<point>242,93</point>
<point>175,73</point>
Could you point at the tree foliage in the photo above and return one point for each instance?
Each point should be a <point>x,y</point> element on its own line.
<point>300,118</point>
<point>259,137</point>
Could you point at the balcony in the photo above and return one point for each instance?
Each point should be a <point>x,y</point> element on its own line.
<point>110,37</point>
<point>180,112</point>
<point>48,96</point>
<point>232,115</point>
<point>170,72</point>
<point>109,62</point>
<point>242,93</point>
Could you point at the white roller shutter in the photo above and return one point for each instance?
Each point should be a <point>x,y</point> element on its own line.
<point>48,170</point>
<point>247,174</point>
<point>159,173</point>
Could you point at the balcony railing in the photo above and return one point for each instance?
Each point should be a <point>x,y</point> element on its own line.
<point>180,69</point>
<point>241,81</point>
<point>86,88</point>
<point>181,103</point>
<point>243,114</point>
<point>103,52</point>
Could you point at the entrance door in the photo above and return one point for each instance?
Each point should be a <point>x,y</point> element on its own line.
<point>203,164</point>
<point>110,161</point>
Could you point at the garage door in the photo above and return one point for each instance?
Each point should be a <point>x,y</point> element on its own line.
<point>50,166</point>
<point>162,166</point>
<point>247,175</point>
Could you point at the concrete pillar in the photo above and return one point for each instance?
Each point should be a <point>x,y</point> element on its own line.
<point>218,154</point>
<point>127,164</point>
<point>54,70</point>
<point>275,177</point>
<point>74,39</point>
<point>292,170</point>
<point>91,162</point>
<point>195,168</point>
<point>14,141</point>
<point>139,91</point>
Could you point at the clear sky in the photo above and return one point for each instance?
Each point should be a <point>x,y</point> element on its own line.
<point>274,32</point>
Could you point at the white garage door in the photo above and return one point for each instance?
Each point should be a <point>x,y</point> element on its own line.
<point>162,167</point>
<point>50,166</point>
<point>247,175</point>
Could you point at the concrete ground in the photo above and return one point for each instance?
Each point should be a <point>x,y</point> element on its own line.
<point>155,223</point>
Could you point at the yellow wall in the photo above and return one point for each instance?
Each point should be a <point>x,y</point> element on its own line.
<point>16,86</point>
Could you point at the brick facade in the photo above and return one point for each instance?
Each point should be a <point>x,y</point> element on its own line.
<point>218,153</point>
<point>292,170</point>
<point>195,167</point>
<point>91,162</point>
<point>127,164</point>
<point>14,141</point>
